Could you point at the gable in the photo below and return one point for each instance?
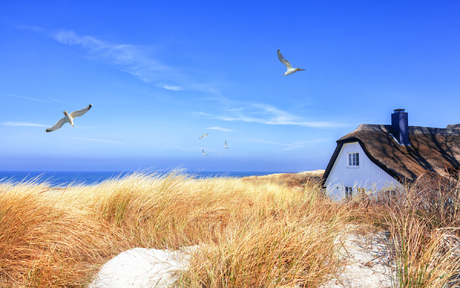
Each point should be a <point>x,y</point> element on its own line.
<point>365,175</point>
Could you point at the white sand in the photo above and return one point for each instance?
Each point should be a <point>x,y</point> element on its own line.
<point>140,267</point>
<point>367,266</point>
<point>368,263</point>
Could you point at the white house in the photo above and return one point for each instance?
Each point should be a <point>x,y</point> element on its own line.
<point>377,157</point>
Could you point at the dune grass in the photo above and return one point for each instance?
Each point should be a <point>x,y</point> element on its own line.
<point>252,232</point>
<point>261,234</point>
<point>423,222</point>
<point>44,245</point>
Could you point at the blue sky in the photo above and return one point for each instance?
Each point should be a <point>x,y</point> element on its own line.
<point>162,73</point>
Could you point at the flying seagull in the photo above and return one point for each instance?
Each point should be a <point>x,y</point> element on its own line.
<point>204,153</point>
<point>204,135</point>
<point>226,144</point>
<point>69,118</point>
<point>290,70</point>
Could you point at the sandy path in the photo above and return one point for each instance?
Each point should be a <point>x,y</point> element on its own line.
<point>366,257</point>
<point>368,263</point>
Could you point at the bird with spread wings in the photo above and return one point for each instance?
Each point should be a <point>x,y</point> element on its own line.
<point>69,118</point>
<point>290,70</point>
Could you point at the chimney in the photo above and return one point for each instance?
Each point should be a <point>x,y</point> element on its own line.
<point>400,126</point>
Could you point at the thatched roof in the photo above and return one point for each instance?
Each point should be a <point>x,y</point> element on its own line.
<point>431,150</point>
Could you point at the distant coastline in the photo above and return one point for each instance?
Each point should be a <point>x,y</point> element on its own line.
<point>66,178</point>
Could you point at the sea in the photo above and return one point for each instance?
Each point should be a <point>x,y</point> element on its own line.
<point>73,178</point>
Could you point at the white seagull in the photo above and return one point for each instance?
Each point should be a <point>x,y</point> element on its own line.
<point>204,135</point>
<point>204,153</point>
<point>226,144</point>
<point>69,118</point>
<point>290,70</point>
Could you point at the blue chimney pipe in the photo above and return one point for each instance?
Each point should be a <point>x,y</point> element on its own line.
<point>400,126</point>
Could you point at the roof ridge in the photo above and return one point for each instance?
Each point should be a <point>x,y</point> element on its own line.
<point>449,130</point>
<point>374,127</point>
<point>432,130</point>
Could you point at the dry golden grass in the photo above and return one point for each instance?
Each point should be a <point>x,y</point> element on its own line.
<point>419,218</point>
<point>294,180</point>
<point>43,245</point>
<point>261,234</point>
<point>253,232</point>
<point>290,247</point>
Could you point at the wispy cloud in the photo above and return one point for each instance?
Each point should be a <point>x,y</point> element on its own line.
<point>303,144</point>
<point>140,61</point>
<point>170,87</point>
<point>28,98</point>
<point>287,146</point>
<point>268,142</point>
<point>267,114</point>
<point>220,129</point>
<point>132,59</point>
<point>26,124</point>
<point>93,139</point>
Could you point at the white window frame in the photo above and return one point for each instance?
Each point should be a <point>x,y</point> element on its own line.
<point>353,162</point>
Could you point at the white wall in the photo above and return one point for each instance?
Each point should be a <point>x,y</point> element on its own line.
<point>368,175</point>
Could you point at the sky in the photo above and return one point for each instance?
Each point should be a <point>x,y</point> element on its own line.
<point>160,74</point>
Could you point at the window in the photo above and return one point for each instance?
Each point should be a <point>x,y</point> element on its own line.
<point>353,159</point>
<point>348,192</point>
